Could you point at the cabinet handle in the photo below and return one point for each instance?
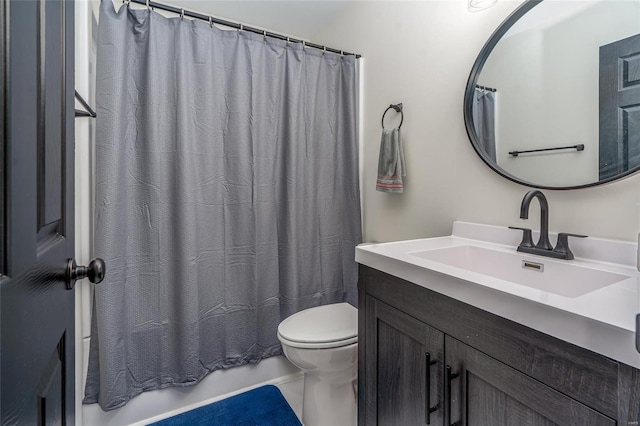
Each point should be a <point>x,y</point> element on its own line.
<point>447,395</point>
<point>428,408</point>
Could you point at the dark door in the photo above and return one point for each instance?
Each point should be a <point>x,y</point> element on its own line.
<point>488,392</point>
<point>619,107</point>
<point>404,384</point>
<point>37,311</point>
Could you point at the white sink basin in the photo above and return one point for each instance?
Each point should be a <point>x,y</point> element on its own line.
<point>591,301</point>
<point>552,276</point>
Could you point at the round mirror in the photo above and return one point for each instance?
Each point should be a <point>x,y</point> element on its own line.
<point>553,99</point>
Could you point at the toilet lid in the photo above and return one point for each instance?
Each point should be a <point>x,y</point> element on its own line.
<point>322,324</point>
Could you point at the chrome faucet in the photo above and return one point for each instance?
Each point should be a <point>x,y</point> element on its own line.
<point>543,247</point>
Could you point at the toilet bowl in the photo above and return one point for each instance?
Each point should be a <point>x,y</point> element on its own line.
<point>323,343</point>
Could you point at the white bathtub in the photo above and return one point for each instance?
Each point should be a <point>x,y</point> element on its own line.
<point>155,405</point>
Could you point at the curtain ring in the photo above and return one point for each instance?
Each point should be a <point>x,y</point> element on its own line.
<point>148,7</point>
<point>181,14</point>
<point>241,28</point>
<point>264,34</point>
<point>211,21</point>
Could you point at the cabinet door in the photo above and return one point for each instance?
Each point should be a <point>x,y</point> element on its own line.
<point>484,391</point>
<point>404,364</point>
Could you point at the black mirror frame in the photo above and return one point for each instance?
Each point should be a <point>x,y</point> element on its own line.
<point>468,104</point>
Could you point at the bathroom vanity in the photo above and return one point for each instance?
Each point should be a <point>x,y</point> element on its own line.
<point>446,340</point>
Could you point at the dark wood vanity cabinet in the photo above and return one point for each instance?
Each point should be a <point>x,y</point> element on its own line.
<point>404,386</point>
<point>488,392</point>
<point>427,359</point>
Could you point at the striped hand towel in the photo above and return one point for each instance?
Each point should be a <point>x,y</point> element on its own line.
<point>391,166</point>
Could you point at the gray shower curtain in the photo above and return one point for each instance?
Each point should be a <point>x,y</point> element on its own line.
<point>226,197</point>
<point>484,120</point>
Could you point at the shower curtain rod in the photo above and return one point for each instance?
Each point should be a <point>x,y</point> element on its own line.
<point>490,89</point>
<point>213,20</point>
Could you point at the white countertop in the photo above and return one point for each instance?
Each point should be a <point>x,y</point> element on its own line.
<point>602,320</point>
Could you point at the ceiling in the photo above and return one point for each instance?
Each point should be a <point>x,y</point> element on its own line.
<point>299,18</point>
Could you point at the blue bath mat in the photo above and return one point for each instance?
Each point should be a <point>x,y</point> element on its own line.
<point>263,406</point>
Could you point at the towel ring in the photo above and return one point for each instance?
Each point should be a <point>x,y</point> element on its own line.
<point>396,108</point>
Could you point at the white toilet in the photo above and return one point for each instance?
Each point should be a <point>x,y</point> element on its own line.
<point>323,343</point>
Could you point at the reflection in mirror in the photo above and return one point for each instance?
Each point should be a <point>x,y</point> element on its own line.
<point>563,82</point>
<point>484,118</point>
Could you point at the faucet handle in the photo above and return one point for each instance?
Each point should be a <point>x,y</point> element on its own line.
<point>562,246</point>
<point>527,239</point>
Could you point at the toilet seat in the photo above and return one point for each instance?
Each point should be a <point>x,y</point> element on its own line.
<point>322,327</point>
<point>318,345</point>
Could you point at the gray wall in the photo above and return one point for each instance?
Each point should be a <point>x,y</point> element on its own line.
<point>420,53</point>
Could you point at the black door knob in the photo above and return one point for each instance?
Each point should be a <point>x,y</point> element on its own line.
<point>95,272</point>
